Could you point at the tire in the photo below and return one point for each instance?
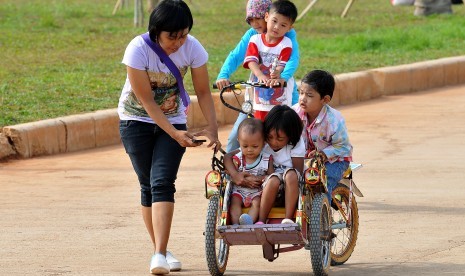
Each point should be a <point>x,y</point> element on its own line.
<point>319,230</point>
<point>216,250</point>
<point>344,243</point>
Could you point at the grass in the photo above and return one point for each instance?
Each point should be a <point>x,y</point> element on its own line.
<point>64,57</point>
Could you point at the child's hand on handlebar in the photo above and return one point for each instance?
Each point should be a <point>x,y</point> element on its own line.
<point>222,83</point>
<point>262,79</point>
<point>275,82</point>
<point>275,75</point>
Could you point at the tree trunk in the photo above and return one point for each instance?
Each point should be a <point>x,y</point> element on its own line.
<point>138,13</point>
<point>151,4</point>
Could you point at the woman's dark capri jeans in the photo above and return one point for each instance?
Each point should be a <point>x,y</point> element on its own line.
<point>155,157</point>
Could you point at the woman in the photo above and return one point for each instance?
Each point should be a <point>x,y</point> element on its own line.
<point>152,109</point>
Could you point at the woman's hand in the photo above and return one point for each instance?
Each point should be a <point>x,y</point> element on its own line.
<point>185,138</point>
<point>212,135</point>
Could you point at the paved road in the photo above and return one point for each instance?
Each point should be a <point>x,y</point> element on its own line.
<point>78,213</point>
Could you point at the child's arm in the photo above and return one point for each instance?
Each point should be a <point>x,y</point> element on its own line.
<point>298,164</point>
<point>340,145</point>
<point>297,155</point>
<point>252,58</point>
<point>276,74</point>
<point>244,179</point>
<point>270,166</point>
<point>293,62</point>
<point>255,68</point>
<point>235,57</point>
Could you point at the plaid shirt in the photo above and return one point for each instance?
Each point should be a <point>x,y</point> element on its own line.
<point>328,133</point>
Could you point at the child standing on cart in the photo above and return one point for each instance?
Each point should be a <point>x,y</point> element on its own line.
<point>325,130</point>
<point>253,160</point>
<point>255,17</point>
<point>267,55</point>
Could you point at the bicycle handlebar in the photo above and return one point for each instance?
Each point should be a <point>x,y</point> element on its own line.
<point>239,85</point>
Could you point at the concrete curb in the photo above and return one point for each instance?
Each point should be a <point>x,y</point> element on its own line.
<point>100,128</point>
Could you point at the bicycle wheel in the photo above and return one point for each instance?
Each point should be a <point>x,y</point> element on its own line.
<point>320,229</point>
<point>343,244</point>
<point>216,250</point>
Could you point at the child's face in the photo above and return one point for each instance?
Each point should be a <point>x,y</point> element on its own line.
<point>277,25</point>
<point>259,24</point>
<point>251,144</point>
<point>277,139</point>
<point>310,101</point>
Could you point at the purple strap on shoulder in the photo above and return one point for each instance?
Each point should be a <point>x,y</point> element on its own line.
<point>170,64</point>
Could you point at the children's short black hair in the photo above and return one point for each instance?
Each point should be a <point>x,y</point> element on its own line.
<point>285,119</point>
<point>320,80</point>
<point>285,8</point>
<point>251,126</point>
<point>170,16</point>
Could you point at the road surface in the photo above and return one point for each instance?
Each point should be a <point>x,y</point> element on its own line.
<point>78,213</point>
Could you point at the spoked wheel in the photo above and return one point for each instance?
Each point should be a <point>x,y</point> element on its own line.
<point>217,251</point>
<point>319,233</point>
<point>343,244</point>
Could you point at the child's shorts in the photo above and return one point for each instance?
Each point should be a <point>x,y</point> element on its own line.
<point>282,177</point>
<point>246,195</point>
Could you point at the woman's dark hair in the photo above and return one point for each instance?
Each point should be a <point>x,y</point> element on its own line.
<point>169,16</point>
<point>285,119</point>
<point>320,80</point>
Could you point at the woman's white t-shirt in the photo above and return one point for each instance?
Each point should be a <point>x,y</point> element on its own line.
<point>140,56</point>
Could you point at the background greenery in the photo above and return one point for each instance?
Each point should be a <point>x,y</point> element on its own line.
<point>61,57</point>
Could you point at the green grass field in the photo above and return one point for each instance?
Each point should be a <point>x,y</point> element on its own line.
<point>64,57</point>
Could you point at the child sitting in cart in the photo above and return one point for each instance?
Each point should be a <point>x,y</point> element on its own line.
<point>252,159</point>
<point>282,129</point>
<point>324,127</point>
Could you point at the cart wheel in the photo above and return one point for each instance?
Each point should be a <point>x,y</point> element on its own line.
<point>216,250</point>
<point>343,244</point>
<point>319,233</point>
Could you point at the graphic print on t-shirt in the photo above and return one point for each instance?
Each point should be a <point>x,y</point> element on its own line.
<point>268,96</point>
<point>165,92</point>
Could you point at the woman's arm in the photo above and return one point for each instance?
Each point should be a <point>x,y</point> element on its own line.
<point>140,83</point>
<point>205,100</point>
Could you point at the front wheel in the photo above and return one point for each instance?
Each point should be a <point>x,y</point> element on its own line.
<point>216,250</point>
<point>319,233</point>
<point>346,232</point>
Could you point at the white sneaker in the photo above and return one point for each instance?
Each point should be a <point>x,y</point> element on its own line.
<point>287,221</point>
<point>175,264</point>
<point>159,265</point>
